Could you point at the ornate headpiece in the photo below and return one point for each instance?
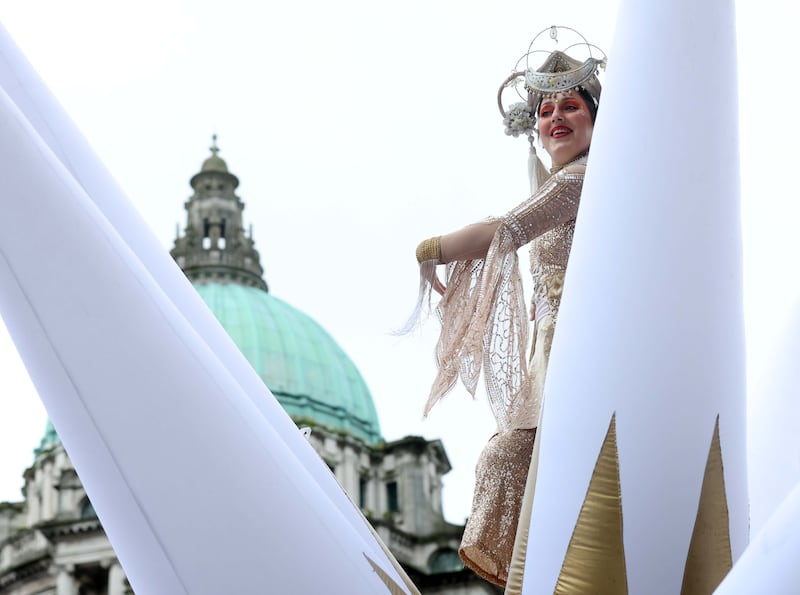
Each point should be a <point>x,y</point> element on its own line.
<point>558,73</point>
<point>561,73</point>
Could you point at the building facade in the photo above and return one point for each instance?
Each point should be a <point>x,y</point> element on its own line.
<point>52,543</point>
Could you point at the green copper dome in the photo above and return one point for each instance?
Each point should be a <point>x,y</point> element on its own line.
<point>312,378</point>
<point>49,439</point>
<point>306,370</point>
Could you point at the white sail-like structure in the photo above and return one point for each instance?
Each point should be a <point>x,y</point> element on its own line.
<point>773,431</point>
<point>769,564</point>
<point>641,484</point>
<point>161,415</point>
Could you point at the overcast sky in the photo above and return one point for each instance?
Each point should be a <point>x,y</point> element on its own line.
<point>358,128</point>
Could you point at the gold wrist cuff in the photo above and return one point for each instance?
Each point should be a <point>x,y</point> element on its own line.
<point>430,249</point>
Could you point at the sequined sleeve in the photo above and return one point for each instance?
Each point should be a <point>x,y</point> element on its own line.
<point>554,204</point>
<point>483,311</point>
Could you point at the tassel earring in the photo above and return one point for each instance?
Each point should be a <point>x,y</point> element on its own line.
<point>537,172</point>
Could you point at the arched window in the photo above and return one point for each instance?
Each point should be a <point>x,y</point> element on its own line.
<point>445,560</point>
<point>87,510</point>
<point>392,500</point>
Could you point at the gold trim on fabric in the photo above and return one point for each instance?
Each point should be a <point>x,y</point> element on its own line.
<point>710,558</point>
<point>393,587</point>
<point>520,553</point>
<point>595,559</point>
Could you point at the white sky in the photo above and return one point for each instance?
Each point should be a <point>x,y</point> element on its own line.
<point>358,128</point>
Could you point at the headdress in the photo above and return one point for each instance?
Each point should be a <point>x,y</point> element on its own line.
<point>558,73</point>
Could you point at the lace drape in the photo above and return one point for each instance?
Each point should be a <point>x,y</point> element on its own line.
<point>483,311</point>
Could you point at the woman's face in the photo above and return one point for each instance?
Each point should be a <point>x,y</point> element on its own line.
<point>565,126</point>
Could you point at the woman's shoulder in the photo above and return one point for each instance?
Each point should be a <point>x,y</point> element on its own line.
<point>574,169</point>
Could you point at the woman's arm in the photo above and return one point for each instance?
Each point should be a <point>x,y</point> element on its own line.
<point>465,244</point>
<point>555,203</point>
<point>468,243</point>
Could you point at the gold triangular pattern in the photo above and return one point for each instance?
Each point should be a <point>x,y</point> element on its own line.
<point>710,558</point>
<point>595,559</point>
<point>393,587</point>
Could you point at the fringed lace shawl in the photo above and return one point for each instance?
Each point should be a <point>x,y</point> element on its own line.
<point>484,313</point>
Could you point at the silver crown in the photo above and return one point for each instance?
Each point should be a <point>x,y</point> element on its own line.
<point>559,72</point>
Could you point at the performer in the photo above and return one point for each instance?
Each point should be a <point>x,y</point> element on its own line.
<point>482,310</point>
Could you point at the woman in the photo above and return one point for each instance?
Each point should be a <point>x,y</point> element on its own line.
<point>484,317</point>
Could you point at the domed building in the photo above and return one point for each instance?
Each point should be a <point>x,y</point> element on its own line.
<point>52,542</point>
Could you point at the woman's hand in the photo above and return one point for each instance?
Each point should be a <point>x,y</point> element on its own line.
<point>428,271</point>
<point>438,286</point>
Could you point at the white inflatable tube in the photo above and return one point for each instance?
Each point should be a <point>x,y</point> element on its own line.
<point>773,431</point>
<point>41,109</point>
<point>38,105</point>
<point>650,330</point>
<point>162,434</point>
<point>769,564</point>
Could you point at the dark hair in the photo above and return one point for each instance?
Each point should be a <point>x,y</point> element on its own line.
<point>590,103</point>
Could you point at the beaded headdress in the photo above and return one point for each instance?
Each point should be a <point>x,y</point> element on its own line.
<point>559,72</point>
<point>562,73</point>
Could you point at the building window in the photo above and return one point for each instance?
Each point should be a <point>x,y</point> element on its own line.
<point>362,492</point>
<point>445,560</point>
<point>206,233</point>
<point>87,510</point>
<point>392,502</point>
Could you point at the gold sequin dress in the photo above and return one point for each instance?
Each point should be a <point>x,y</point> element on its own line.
<point>485,325</point>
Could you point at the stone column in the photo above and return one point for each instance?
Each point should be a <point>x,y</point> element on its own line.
<point>34,502</point>
<point>349,477</point>
<point>65,583</point>
<point>47,491</point>
<point>116,579</point>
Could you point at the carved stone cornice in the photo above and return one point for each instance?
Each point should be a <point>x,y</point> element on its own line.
<point>57,529</point>
<point>25,570</point>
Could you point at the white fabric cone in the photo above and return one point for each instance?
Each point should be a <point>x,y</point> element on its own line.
<point>42,110</point>
<point>650,326</point>
<point>158,427</point>
<point>769,564</point>
<point>773,431</point>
